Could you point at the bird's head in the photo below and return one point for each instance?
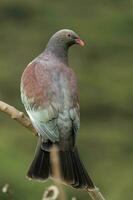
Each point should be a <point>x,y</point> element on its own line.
<point>67,38</point>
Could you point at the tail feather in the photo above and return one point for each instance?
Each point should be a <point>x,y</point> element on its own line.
<point>76,172</point>
<point>39,168</point>
<point>66,164</point>
<point>85,179</point>
<point>79,171</point>
<point>72,171</point>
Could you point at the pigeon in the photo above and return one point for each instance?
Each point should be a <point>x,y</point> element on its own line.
<point>50,96</point>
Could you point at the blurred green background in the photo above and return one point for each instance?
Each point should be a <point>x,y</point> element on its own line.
<point>104,69</point>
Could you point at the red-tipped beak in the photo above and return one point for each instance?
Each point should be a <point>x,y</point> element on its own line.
<point>80,42</point>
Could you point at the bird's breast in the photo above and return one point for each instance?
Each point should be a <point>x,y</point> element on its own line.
<point>45,84</point>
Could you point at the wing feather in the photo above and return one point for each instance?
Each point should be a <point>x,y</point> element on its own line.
<point>45,122</point>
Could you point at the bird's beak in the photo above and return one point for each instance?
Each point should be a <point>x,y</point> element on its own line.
<point>80,42</point>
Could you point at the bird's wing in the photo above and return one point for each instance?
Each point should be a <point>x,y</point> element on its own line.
<point>37,97</point>
<point>45,122</point>
<point>75,117</point>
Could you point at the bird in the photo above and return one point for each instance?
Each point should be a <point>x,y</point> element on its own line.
<point>49,93</point>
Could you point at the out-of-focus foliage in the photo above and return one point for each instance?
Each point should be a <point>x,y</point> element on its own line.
<point>104,68</point>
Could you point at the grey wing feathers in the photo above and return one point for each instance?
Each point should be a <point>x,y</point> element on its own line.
<point>75,117</point>
<point>49,130</point>
<point>46,122</point>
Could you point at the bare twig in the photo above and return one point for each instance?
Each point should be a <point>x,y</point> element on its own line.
<point>7,190</point>
<point>55,163</point>
<point>95,194</point>
<point>17,115</point>
<point>51,193</point>
<point>25,121</point>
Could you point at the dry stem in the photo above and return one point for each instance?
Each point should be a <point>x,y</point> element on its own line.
<point>17,115</point>
<point>51,193</point>
<point>95,194</point>
<point>55,163</point>
<point>7,190</point>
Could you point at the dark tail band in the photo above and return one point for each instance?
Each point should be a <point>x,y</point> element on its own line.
<point>72,170</point>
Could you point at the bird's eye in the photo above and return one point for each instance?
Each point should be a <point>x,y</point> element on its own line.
<point>69,35</point>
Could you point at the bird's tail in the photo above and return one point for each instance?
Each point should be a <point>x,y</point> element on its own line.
<point>72,171</point>
<point>40,166</point>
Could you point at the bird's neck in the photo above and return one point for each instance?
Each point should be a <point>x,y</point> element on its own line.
<point>59,50</point>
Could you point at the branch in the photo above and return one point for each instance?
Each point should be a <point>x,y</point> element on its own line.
<point>25,121</point>
<point>55,163</point>
<point>17,115</point>
<point>7,190</point>
<point>51,193</point>
<point>95,193</point>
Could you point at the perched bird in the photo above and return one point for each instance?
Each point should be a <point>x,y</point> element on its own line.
<point>49,94</point>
